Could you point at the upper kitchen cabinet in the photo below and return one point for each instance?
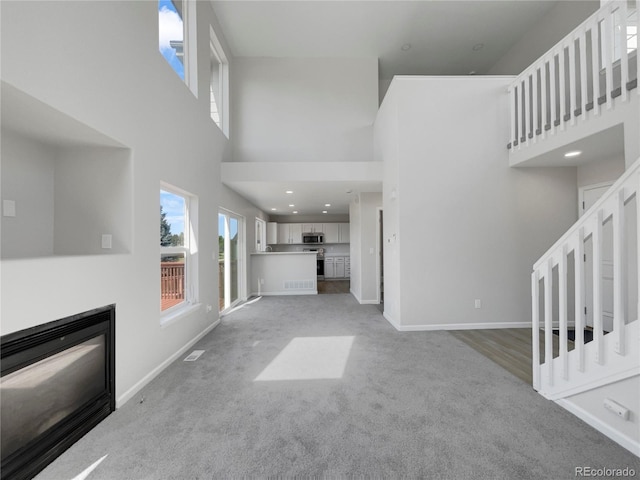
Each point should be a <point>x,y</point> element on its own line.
<point>331,233</point>
<point>336,233</point>
<point>272,233</point>
<point>289,233</point>
<point>313,227</point>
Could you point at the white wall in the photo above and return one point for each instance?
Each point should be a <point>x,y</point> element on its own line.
<point>303,110</point>
<point>27,179</point>
<point>552,28</point>
<point>70,55</point>
<point>604,170</point>
<point>466,225</point>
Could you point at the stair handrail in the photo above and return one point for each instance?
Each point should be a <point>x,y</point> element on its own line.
<point>610,204</point>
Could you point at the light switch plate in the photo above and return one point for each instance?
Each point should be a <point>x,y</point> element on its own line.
<point>106,241</point>
<point>9,208</point>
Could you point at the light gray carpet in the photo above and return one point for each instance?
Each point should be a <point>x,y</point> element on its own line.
<point>409,405</point>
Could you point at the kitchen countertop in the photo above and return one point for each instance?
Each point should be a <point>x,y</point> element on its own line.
<point>284,253</point>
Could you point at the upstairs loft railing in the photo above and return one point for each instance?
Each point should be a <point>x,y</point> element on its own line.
<point>585,72</point>
<point>563,290</point>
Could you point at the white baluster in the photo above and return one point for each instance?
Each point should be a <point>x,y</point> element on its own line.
<point>619,273</point>
<point>535,329</point>
<point>595,63</point>
<point>527,109</point>
<point>624,57</point>
<point>638,66</point>
<point>578,255</point>
<point>548,320</point>
<point>596,239</point>
<point>607,53</point>
<point>512,109</point>
<point>563,96</point>
<point>572,80</point>
<point>562,307</point>
<point>535,97</point>
<point>584,88</point>
<point>553,91</point>
<point>543,98</point>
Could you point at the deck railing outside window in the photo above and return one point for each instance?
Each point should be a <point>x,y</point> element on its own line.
<point>171,284</point>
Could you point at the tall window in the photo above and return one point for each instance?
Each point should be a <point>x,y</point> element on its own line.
<point>261,235</point>
<point>219,82</point>
<point>177,38</point>
<point>175,241</point>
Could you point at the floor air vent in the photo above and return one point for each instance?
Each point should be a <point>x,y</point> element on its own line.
<point>193,356</point>
<point>298,284</point>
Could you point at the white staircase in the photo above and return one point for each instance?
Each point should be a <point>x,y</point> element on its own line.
<point>561,296</point>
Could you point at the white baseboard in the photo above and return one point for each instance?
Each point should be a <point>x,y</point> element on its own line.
<point>363,302</point>
<point>391,321</point>
<point>126,396</point>
<point>286,293</point>
<point>632,445</point>
<point>459,326</point>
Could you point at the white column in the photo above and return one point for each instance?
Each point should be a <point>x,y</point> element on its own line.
<point>579,299</point>
<point>596,238</point>
<point>548,320</point>
<point>535,329</point>
<point>562,308</point>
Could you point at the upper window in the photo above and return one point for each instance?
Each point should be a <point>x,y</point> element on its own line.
<point>171,34</point>
<point>176,286</point>
<point>219,83</point>
<point>176,38</point>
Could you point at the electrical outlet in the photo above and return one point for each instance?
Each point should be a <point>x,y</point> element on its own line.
<point>209,308</point>
<point>478,303</point>
<point>106,241</point>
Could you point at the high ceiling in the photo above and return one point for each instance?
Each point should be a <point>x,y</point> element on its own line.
<point>408,37</point>
<point>440,35</point>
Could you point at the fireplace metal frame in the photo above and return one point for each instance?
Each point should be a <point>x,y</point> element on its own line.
<point>23,348</point>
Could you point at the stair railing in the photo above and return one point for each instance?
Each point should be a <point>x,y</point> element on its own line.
<point>591,66</point>
<point>565,369</point>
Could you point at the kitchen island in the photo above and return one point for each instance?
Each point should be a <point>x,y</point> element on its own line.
<point>283,273</point>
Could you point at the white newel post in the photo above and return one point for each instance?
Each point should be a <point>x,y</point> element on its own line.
<point>596,238</point>
<point>607,57</point>
<point>548,319</point>
<point>527,109</point>
<point>578,255</point>
<point>562,86</point>
<point>535,329</point>
<point>619,273</point>
<point>543,99</point>
<point>554,96</point>
<point>573,90</point>
<point>562,307</point>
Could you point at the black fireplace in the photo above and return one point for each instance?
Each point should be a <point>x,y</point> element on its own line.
<point>57,382</point>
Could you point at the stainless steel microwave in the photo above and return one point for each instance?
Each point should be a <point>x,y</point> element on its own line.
<point>313,238</point>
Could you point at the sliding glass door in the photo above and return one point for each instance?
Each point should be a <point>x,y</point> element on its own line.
<point>230,258</point>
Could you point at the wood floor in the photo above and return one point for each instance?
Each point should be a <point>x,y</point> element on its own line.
<point>333,286</point>
<point>508,347</point>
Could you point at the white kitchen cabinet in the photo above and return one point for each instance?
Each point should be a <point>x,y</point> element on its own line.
<point>339,266</point>
<point>272,233</point>
<point>331,233</point>
<point>344,235</point>
<point>290,233</point>
<point>329,268</point>
<point>313,227</point>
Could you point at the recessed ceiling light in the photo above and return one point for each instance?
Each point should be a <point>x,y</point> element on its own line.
<point>405,47</point>
<point>327,204</point>
<point>289,192</point>
<point>295,211</point>
<point>573,153</point>
<point>324,211</point>
<point>273,209</point>
<point>291,205</point>
<point>478,46</point>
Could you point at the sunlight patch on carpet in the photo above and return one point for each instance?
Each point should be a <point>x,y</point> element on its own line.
<point>309,358</point>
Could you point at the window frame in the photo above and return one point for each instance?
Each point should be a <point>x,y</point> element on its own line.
<point>189,249</point>
<point>217,53</point>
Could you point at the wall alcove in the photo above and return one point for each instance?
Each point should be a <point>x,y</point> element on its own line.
<point>66,188</point>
